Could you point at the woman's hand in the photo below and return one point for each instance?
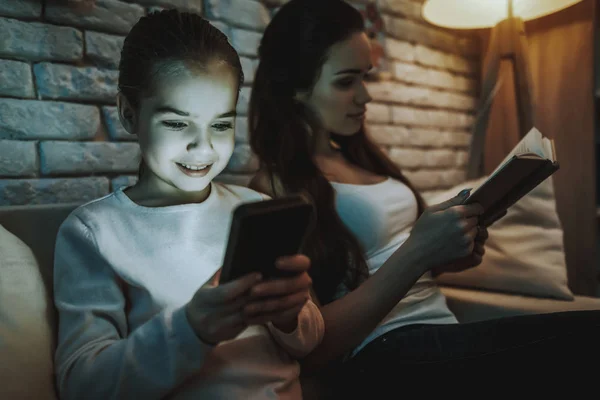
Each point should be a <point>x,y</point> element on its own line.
<point>280,300</point>
<point>446,232</point>
<point>476,257</point>
<point>470,261</point>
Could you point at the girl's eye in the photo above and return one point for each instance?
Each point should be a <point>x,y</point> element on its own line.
<point>222,126</point>
<point>174,125</point>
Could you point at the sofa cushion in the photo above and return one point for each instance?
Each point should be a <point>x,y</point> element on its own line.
<point>27,315</point>
<point>471,305</point>
<point>524,252</point>
<point>37,226</point>
<point>26,338</point>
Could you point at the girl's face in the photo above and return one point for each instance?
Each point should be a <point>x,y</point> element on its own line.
<point>186,129</point>
<point>339,96</point>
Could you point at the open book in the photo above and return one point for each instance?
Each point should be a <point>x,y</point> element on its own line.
<point>531,161</point>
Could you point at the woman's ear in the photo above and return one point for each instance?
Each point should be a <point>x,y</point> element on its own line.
<point>127,114</point>
<point>301,97</point>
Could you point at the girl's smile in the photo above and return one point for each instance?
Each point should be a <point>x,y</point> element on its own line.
<point>194,170</point>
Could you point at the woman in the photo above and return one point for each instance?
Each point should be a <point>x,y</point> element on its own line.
<point>376,246</point>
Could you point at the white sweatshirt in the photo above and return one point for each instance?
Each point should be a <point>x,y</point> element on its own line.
<point>123,274</point>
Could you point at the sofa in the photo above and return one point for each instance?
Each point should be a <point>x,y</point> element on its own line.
<point>28,321</point>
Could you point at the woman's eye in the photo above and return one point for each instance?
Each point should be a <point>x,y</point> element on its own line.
<point>222,126</point>
<point>370,77</point>
<point>345,83</point>
<point>174,125</point>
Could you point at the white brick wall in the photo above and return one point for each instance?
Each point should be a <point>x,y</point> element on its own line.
<point>66,61</point>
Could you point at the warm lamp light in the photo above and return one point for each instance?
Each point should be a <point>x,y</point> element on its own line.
<point>473,14</point>
<point>507,46</point>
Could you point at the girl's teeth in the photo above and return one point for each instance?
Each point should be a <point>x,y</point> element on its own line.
<point>194,168</point>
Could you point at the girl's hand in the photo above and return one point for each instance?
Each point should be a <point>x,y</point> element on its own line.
<point>280,300</point>
<point>216,313</point>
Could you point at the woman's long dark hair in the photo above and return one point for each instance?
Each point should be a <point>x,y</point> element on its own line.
<point>292,52</point>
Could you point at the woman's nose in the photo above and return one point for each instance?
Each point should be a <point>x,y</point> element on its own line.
<point>362,96</point>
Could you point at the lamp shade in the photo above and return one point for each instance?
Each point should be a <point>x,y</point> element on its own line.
<point>471,14</point>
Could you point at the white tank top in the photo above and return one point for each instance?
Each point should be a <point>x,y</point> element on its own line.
<point>381,216</point>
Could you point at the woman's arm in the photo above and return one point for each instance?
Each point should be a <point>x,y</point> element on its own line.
<point>350,319</point>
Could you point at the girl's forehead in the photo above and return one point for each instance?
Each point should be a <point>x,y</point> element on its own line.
<point>196,74</point>
<point>205,93</point>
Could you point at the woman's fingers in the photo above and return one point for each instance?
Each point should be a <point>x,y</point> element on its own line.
<point>469,223</point>
<point>479,249</point>
<point>482,234</point>
<point>495,218</point>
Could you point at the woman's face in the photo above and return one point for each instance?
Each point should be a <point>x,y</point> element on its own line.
<point>339,96</point>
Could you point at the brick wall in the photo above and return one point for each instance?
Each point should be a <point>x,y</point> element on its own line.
<point>60,139</point>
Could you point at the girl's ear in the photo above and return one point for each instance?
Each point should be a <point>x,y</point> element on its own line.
<point>127,114</point>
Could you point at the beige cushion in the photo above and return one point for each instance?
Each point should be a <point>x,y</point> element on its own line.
<point>471,305</point>
<point>37,226</point>
<point>525,251</point>
<point>26,339</point>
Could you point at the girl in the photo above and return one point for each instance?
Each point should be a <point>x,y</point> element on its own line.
<point>376,245</point>
<point>139,315</point>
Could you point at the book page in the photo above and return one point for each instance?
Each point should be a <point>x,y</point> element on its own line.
<point>532,143</point>
<point>549,150</point>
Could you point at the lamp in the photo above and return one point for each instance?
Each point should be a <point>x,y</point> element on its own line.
<point>507,43</point>
<point>474,14</point>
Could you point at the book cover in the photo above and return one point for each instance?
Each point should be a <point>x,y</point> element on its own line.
<point>531,162</point>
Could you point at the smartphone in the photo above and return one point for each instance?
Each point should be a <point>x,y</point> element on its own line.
<point>263,231</point>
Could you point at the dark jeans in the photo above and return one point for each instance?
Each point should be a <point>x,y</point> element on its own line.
<point>545,349</point>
